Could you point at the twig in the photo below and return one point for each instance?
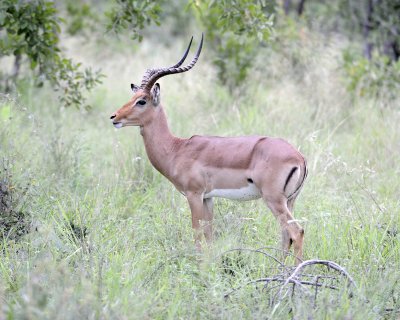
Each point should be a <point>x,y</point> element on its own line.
<point>279,278</point>
<point>364,187</point>
<point>268,280</point>
<point>256,251</point>
<point>287,253</point>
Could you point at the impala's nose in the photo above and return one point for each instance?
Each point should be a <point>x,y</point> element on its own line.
<point>113,116</point>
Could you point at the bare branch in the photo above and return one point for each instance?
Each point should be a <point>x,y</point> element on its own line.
<point>293,275</point>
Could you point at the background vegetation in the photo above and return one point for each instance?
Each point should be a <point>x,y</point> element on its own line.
<point>88,229</point>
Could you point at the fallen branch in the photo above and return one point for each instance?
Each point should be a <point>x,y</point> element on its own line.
<point>293,275</point>
<point>327,263</point>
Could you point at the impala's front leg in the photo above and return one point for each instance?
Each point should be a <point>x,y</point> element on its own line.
<point>201,217</point>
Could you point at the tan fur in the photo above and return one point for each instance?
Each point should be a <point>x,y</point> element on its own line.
<point>202,163</point>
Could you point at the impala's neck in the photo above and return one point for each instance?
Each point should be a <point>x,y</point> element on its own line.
<point>159,142</point>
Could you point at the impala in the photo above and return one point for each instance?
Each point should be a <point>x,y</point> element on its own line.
<point>203,167</point>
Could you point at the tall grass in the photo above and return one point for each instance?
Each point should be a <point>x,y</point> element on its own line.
<point>111,238</point>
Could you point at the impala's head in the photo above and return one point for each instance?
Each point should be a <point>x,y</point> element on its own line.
<point>140,109</point>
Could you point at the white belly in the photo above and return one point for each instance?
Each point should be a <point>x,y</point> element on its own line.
<point>250,192</point>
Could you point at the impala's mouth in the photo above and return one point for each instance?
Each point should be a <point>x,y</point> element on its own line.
<point>117,124</point>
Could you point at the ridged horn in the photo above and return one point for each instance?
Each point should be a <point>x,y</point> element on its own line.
<point>152,75</point>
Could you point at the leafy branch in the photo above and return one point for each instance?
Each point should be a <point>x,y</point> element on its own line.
<point>133,15</point>
<point>31,29</point>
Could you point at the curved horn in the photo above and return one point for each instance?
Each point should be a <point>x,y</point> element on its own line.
<point>150,72</point>
<point>153,75</point>
<point>184,56</point>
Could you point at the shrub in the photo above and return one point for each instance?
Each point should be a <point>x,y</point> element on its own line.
<point>378,78</point>
<point>15,219</point>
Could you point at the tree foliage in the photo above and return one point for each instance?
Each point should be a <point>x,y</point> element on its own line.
<point>236,28</point>
<point>371,62</point>
<point>133,15</point>
<point>30,29</point>
<point>81,19</point>
<point>377,22</point>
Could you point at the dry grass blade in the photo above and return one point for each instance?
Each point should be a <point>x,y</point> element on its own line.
<point>257,251</point>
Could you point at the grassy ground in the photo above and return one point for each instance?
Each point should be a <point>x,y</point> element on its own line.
<point>111,238</point>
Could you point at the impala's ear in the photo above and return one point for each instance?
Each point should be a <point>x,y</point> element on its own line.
<point>134,87</point>
<point>155,94</point>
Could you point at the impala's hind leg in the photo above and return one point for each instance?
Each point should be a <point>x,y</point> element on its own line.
<point>208,218</point>
<point>292,232</point>
<point>290,204</point>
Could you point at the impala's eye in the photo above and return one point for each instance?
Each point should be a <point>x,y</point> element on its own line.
<point>141,102</point>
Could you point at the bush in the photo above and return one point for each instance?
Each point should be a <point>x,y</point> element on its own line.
<point>236,28</point>
<point>15,219</point>
<point>378,78</point>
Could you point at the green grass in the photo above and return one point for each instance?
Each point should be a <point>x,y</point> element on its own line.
<point>111,238</point>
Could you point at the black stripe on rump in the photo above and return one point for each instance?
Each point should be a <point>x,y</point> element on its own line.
<point>288,178</point>
<point>302,182</point>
